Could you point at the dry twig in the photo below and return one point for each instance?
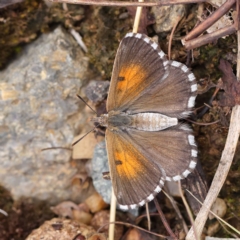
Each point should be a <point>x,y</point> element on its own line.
<point>193,41</point>
<point>208,38</point>
<point>225,161</point>
<point>127,4</point>
<point>210,20</point>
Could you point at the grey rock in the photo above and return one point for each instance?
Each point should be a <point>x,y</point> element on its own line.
<point>167,17</point>
<point>100,165</point>
<point>97,91</point>
<point>39,109</point>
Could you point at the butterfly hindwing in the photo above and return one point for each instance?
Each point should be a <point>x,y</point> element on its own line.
<point>173,148</point>
<point>135,178</point>
<point>139,65</point>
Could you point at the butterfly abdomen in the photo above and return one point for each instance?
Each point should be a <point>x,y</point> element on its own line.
<point>152,121</point>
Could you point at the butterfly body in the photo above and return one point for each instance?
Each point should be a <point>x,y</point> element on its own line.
<point>145,143</point>
<point>117,121</point>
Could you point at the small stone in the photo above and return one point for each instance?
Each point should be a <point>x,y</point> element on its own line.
<point>173,188</point>
<point>96,91</point>
<point>82,216</point>
<point>219,207</point>
<point>213,228</point>
<point>95,202</point>
<point>101,219</point>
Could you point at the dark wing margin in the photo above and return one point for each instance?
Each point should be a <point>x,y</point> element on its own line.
<point>136,179</point>
<point>139,66</point>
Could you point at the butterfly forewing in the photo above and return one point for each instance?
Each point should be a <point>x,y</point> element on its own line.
<point>139,65</point>
<point>174,96</point>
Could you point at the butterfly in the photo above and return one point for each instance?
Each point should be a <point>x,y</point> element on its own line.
<point>146,144</point>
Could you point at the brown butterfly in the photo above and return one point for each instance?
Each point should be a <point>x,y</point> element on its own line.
<point>145,143</point>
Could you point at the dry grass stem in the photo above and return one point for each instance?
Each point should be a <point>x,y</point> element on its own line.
<point>188,210</point>
<point>126,3</point>
<point>137,18</point>
<point>112,216</point>
<point>179,215</point>
<point>215,215</point>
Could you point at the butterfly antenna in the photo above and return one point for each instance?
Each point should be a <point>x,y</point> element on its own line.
<point>50,148</point>
<point>85,135</point>
<point>86,103</point>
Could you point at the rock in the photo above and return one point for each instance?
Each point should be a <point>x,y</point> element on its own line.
<point>95,202</point>
<point>213,228</point>
<point>39,109</point>
<point>101,220</point>
<point>100,165</point>
<point>97,91</point>
<point>173,188</point>
<point>61,229</point>
<point>167,16</point>
<point>219,207</point>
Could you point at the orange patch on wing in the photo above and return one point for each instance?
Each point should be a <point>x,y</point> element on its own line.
<point>129,164</point>
<point>132,74</point>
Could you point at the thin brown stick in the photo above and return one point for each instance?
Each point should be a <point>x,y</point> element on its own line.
<point>228,231</point>
<point>224,164</point>
<point>164,220</point>
<point>127,4</point>
<point>52,148</point>
<point>176,208</point>
<point>201,124</point>
<point>188,209</point>
<point>170,39</point>
<point>131,225</point>
<point>210,20</point>
<point>209,38</point>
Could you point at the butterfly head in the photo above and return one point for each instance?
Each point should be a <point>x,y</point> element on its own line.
<point>102,120</point>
